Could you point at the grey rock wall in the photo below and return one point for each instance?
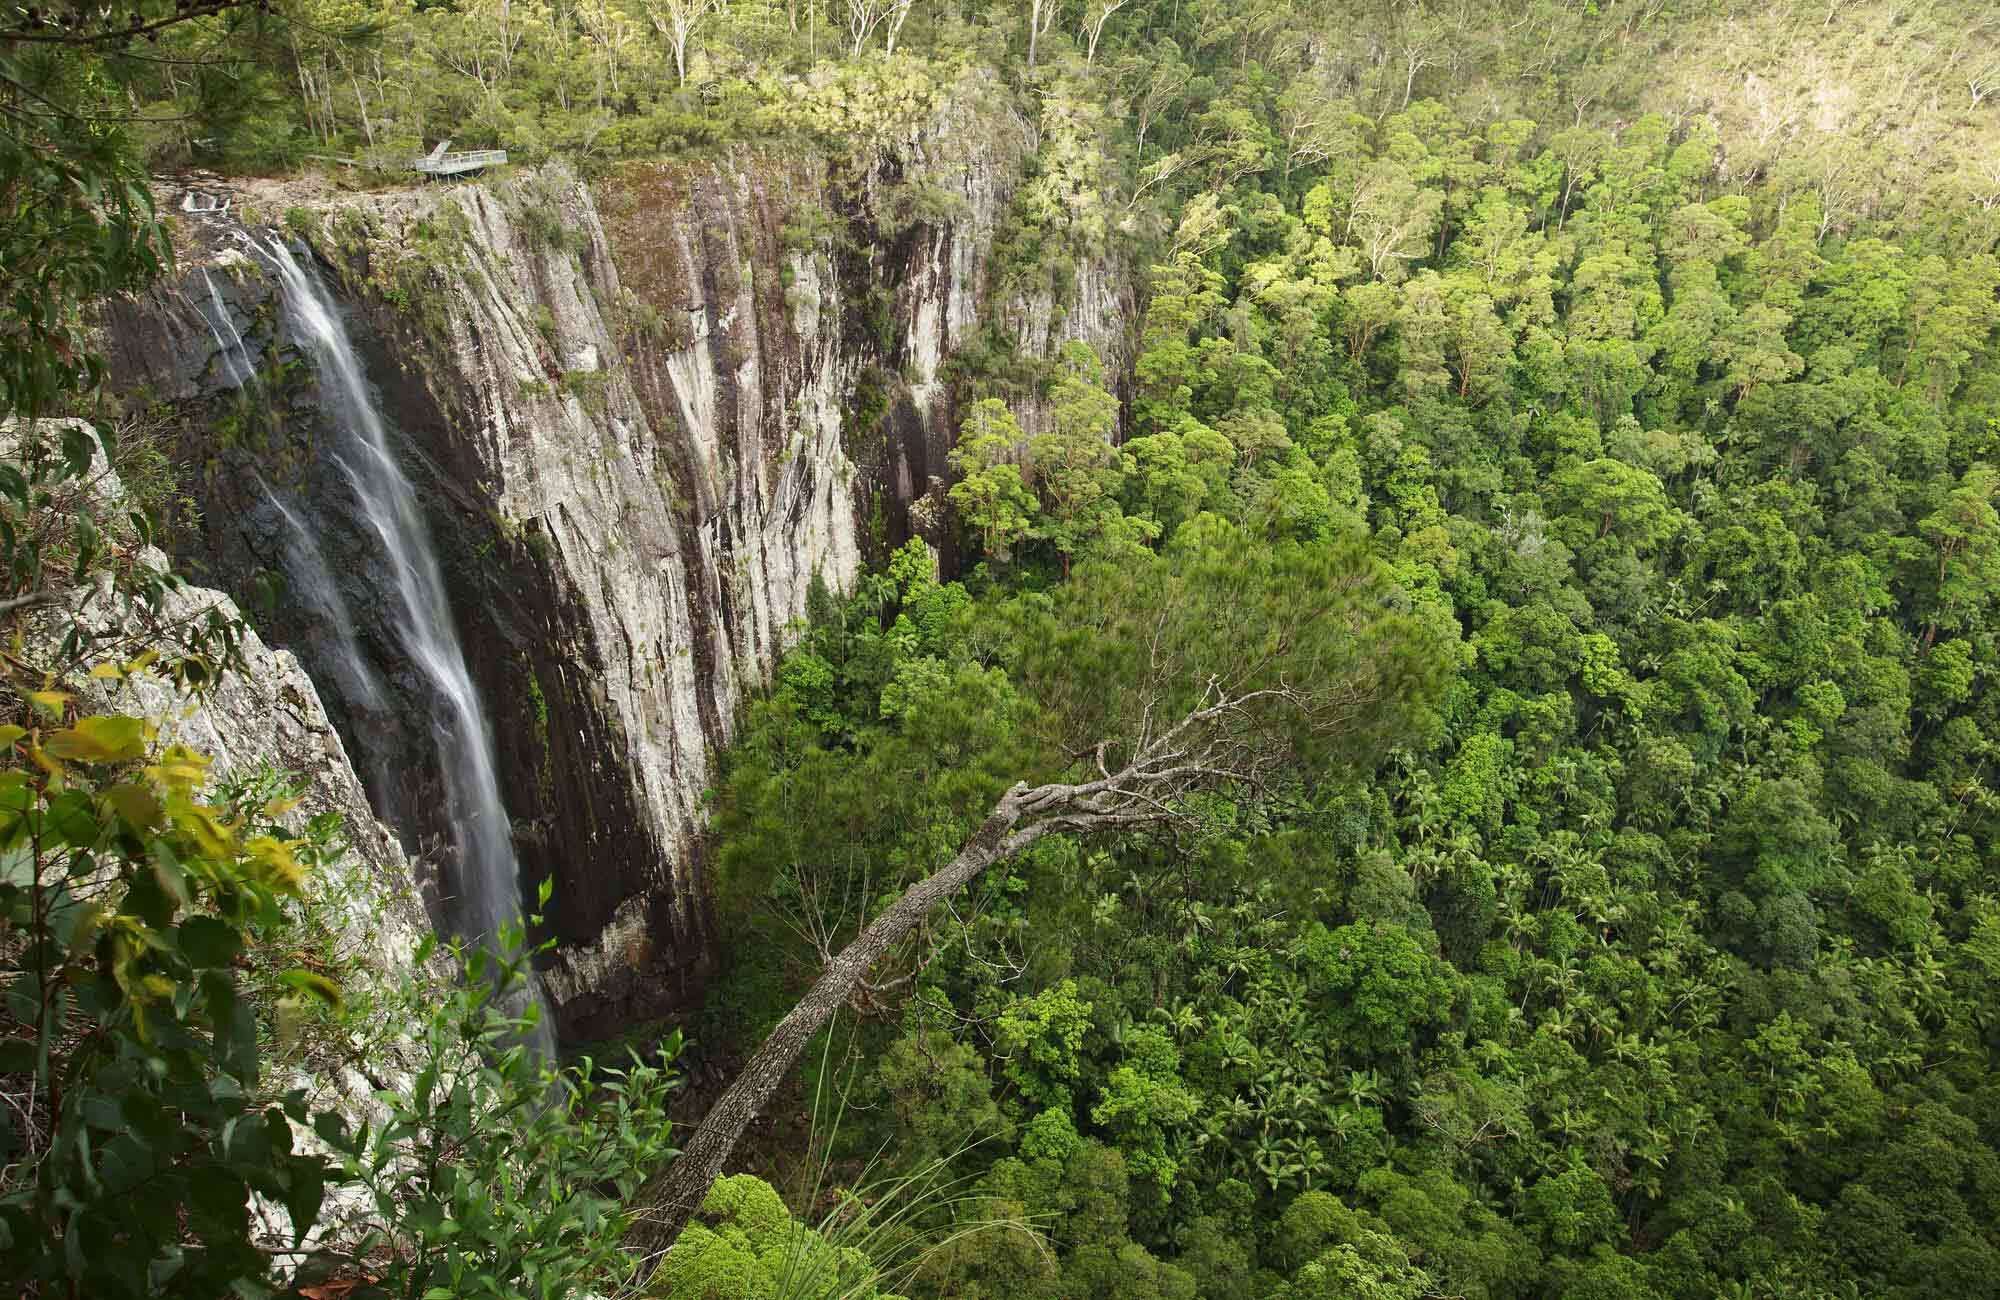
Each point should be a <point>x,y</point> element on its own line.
<point>645,414</point>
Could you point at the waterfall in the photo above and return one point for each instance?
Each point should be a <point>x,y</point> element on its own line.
<point>305,565</point>
<point>486,883</point>
<point>236,365</point>
<point>307,572</point>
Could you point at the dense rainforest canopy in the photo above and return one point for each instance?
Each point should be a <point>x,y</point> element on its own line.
<point>1640,353</point>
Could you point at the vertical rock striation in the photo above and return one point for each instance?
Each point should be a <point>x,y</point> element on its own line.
<point>644,415</point>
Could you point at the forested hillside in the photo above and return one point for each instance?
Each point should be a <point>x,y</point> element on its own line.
<point>1662,964</point>
<point>1833,95</point>
<point>1464,766</point>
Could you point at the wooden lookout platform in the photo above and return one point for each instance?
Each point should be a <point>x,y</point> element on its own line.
<point>441,162</point>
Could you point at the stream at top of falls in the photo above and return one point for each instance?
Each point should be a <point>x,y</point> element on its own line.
<point>486,879</point>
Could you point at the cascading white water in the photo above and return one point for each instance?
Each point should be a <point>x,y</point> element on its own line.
<point>487,884</point>
<point>228,339</point>
<point>309,576</point>
<point>305,565</point>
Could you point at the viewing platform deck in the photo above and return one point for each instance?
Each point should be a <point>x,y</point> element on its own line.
<point>440,163</point>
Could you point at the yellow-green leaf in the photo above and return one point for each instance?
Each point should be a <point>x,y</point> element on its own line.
<point>135,803</point>
<point>49,702</point>
<point>180,769</point>
<point>312,982</point>
<point>281,868</point>
<point>102,739</point>
<point>9,734</point>
<point>203,825</point>
<point>42,759</point>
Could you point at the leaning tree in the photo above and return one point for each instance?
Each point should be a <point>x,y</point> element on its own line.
<point>1226,665</point>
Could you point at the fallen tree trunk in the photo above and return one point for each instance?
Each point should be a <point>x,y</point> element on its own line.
<point>672,1198</point>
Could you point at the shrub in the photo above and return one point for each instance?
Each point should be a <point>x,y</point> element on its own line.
<point>127,1048</point>
<point>494,1174</point>
<point>745,1245</point>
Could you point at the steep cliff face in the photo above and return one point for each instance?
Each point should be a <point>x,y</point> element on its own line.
<point>268,718</point>
<point>644,415</point>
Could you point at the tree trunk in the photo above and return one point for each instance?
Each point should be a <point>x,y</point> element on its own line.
<point>1105,9</point>
<point>367,127</point>
<point>672,1198</point>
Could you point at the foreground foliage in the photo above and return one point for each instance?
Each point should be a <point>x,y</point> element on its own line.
<point>487,1173</point>
<point>144,1058</point>
<point>140,1122</point>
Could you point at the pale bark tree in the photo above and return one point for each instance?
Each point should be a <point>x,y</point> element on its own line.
<point>1333,678</point>
<point>1156,174</point>
<point>1157,83</point>
<point>511,34</point>
<point>865,16</point>
<point>361,103</point>
<point>1314,123</point>
<point>606,27</point>
<point>898,15</point>
<point>1390,219</point>
<point>1579,150</point>
<point>1975,61</point>
<point>1041,18</point>
<point>677,21</point>
<point>1420,44</point>
<point>1094,18</point>
<point>1979,179</point>
<point>1302,124</point>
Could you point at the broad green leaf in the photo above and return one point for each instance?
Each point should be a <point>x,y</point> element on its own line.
<point>209,941</point>
<point>135,803</point>
<point>170,875</point>
<point>305,1190</point>
<point>218,1196</point>
<point>74,925</point>
<point>17,1056</point>
<point>73,818</point>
